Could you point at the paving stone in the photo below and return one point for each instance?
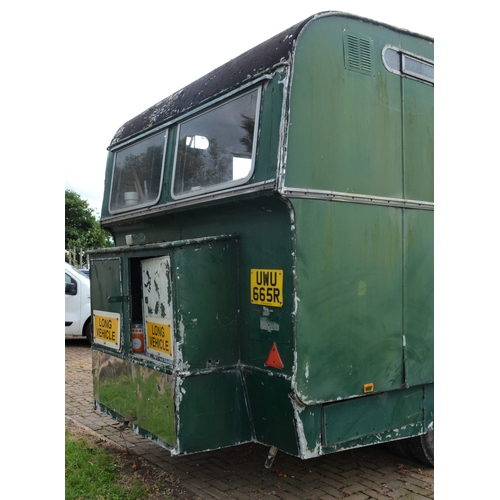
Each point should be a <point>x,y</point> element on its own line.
<point>238,472</point>
<point>375,495</point>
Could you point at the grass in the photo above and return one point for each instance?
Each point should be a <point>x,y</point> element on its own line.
<point>91,474</point>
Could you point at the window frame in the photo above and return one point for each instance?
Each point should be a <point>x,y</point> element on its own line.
<point>148,203</point>
<point>403,71</point>
<point>223,185</point>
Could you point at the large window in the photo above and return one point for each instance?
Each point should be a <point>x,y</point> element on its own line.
<point>137,174</point>
<point>217,148</point>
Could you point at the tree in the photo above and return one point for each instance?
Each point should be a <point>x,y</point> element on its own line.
<point>82,229</point>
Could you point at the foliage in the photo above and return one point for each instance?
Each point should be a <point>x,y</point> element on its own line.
<point>82,229</point>
<point>249,127</point>
<point>91,474</point>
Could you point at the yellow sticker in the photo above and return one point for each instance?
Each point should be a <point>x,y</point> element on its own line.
<point>107,329</point>
<point>159,337</point>
<point>266,287</point>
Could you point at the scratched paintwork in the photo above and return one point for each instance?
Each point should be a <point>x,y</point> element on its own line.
<point>341,201</point>
<point>157,305</point>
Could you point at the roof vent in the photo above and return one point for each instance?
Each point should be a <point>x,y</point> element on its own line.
<point>358,53</point>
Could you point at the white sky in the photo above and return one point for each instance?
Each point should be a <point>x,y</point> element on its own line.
<point>123,57</point>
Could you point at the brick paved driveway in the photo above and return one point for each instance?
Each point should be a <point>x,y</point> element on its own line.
<point>239,472</point>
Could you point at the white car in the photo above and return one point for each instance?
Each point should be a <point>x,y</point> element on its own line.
<point>77,290</point>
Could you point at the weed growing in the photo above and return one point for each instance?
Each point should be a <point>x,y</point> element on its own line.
<point>91,474</point>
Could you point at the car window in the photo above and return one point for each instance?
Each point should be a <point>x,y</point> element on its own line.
<point>69,279</point>
<point>79,272</point>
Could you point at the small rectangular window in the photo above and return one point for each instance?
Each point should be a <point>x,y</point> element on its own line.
<point>137,174</point>
<point>402,63</point>
<point>418,69</point>
<point>217,148</point>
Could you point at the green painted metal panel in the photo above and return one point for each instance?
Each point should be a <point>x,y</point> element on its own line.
<point>106,284</point>
<point>349,289</point>
<point>309,426</point>
<point>418,126</point>
<point>419,296</point>
<point>271,410</point>
<point>421,46</point>
<point>213,412</point>
<point>266,160</point>
<point>345,126</point>
<point>107,300</point>
<point>206,296</point>
<point>363,418</point>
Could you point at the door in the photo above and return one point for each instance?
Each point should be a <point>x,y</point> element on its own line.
<point>72,316</point>
<point>157,307</point>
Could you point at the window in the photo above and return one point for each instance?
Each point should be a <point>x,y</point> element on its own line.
<point>70,285</point>
<point>419,69</point>
<point>137,174</point>
<point>217,148</point>
<point>402,63</point>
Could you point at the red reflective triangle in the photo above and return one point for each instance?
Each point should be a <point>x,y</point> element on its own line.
<point>274,359</point>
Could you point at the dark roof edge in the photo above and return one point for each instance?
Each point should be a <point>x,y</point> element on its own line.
<point>245,67</point>
<point>230,75</point>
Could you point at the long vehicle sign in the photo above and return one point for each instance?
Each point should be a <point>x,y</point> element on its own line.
<point>107,329</point>
<point>159,337</point>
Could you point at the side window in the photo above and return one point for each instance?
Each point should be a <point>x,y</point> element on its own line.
<point>217,148</point>
<point>137,174</point>
<point>403,63</point>
<point>70,285</point>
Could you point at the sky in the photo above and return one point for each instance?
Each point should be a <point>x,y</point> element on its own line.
<point>123,57</point>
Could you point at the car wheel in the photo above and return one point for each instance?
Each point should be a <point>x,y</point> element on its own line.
<point>400,447</point>
<point>422,447</point>
<point>88,331</point>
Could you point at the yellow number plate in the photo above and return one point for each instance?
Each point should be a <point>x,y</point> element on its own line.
<point>159,337</point>
<point>107,329</point>
<point>266,287</point>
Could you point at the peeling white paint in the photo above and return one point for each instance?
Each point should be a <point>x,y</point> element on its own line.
<point>282,150</point>
<point>304,451</point>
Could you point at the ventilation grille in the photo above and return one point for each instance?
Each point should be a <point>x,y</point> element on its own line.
<point>358,53</point>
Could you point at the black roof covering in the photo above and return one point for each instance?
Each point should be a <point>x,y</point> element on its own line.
<point>248,65</point>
